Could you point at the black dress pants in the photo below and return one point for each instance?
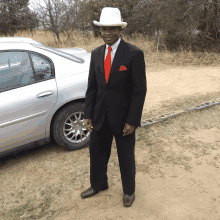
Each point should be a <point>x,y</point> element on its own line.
<point>100,150</point>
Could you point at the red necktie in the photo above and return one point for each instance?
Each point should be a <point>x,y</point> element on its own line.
<point>107,63</point>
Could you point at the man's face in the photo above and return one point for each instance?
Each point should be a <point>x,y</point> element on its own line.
<point>110,34</point>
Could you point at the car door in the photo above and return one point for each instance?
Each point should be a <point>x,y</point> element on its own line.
<point>28,92</point>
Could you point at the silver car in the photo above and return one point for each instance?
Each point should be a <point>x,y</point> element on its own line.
<point>42,93</point>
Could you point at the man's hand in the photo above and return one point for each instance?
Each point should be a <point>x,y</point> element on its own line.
<point>88,124</point>
<point>128,129</point>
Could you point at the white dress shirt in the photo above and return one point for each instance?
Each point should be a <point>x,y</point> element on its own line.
<point>114,49</point>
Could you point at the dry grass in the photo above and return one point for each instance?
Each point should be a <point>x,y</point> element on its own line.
<point>152,57</point>
<point>76,39</point>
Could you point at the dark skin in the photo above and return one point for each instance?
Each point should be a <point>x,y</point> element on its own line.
<point>110,34</point>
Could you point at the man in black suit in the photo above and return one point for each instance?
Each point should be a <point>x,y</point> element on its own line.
<point>113,105</point>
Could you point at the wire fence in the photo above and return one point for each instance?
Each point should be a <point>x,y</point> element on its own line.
<point>164,117</point>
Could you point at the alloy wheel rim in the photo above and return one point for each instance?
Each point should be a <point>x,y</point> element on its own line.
<point>73,128</point>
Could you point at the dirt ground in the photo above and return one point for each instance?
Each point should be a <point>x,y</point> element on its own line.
<point>169,84</point>
<point>177,163</point>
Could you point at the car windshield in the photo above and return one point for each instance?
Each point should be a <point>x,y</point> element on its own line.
<point>60,53</point>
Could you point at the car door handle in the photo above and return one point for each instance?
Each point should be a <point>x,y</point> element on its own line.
<point>45,94</point>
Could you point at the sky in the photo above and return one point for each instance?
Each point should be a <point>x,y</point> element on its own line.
<point>32,3</point>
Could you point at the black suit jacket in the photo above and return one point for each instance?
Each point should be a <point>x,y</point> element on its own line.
<point>124,94</point>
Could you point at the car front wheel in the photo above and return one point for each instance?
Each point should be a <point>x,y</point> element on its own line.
<point>68,127</point>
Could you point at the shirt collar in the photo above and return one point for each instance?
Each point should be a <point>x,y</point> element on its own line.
<point>115,45</point>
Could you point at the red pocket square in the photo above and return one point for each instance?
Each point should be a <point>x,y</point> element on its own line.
<point>122,68</point>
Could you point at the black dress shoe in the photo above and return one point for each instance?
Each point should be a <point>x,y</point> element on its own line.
<point>90,192</point>
<point>128,200</point>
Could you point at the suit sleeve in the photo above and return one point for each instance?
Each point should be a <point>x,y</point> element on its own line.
<point>91,91</point>
<point>139,89</point>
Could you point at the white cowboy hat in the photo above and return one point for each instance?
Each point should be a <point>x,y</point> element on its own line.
<point>110,17</point>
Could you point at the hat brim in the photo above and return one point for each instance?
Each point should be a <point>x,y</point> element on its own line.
<point>122,24</point>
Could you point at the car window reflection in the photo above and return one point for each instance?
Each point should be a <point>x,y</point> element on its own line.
<point>19,69</point>
<point>15,70</point>
<point>42,66</point>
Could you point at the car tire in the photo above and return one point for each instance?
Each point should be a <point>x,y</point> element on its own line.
<point>68,127</point>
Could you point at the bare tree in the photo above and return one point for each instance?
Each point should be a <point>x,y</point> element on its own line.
<point>58,16</point>
<point>176,20</point>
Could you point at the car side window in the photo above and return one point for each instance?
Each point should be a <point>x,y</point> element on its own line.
<point>15,70</point>
<point>42,67</point>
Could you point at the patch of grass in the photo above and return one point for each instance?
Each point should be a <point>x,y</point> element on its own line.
<point>30,210</point>
<point>174,159</point>
<point>15,213</point>
<point>173,141</point>
<point>142,135</point>
<point>59,192</point>
<point>45,205</point>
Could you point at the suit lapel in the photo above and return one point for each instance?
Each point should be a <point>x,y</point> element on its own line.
<point>120,52</point>
<point>101,64</point>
